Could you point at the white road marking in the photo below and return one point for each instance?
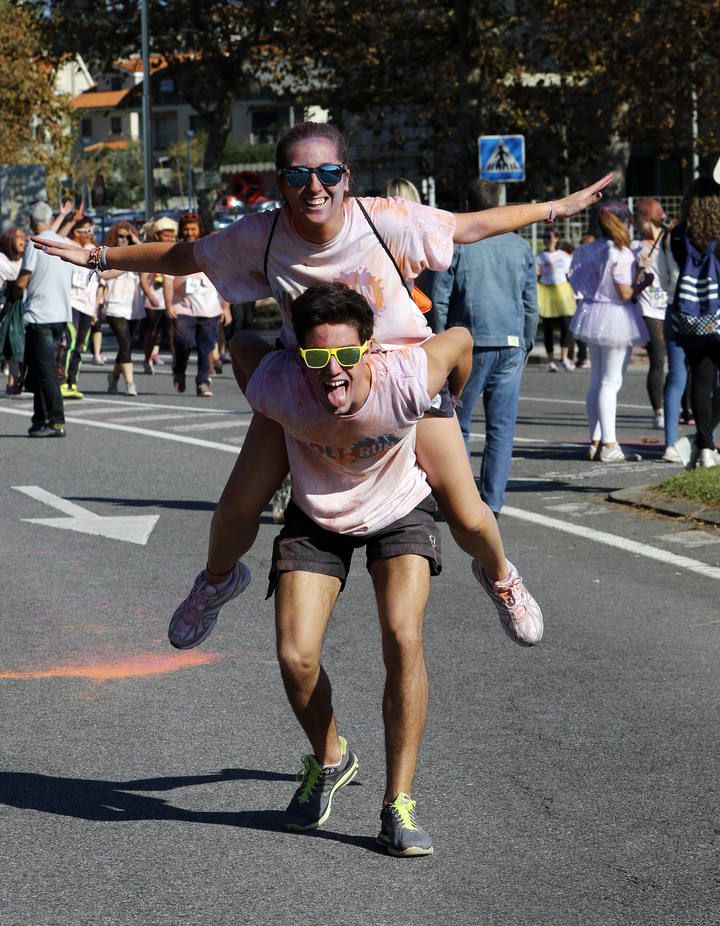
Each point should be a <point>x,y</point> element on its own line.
<point>696,538</point>
<point>144,432</point>
<point>578,530</point>
<point>612,540</point>
<point>128,528</point>
<point>537,398</point>
<point>212,425</point>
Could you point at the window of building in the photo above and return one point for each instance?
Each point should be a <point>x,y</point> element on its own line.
<point>266,127</point>
<point>86,129</point>
<point>197,124</point>
<point>115,125</point>
<point>166,86</point>
<point>116,83</point>
<point>161,133</point>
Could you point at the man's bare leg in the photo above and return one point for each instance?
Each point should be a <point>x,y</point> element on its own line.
<point>303,605</point>
<point>258,472</point>
<point>401,586</point>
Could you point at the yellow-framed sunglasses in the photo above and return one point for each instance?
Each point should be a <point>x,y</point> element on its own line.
<point>317,358</point>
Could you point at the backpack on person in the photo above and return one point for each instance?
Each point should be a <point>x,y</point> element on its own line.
<point>695,311</point>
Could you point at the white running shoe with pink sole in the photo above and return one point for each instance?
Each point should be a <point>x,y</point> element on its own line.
<point>519,613</point>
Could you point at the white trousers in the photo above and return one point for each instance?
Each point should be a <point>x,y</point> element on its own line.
<point>608,366</point>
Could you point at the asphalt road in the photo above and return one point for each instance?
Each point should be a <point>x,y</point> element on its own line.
<point>572,783</point>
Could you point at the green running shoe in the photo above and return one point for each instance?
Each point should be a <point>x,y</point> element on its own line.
<point>312,802</point>
<point>400,832</point>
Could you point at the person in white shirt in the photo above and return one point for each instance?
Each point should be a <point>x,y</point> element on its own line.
<point>47,311</point>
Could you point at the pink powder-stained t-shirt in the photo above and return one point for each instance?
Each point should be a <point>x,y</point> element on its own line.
<point>195,295</point>
<point>352,474</point>
<point>419,238</point>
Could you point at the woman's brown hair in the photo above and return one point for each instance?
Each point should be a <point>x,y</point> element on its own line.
<point>700,211</point>
<point>111,236</point>
<point>614,228</point>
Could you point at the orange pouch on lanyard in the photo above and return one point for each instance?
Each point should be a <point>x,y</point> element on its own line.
<point>423,302</point>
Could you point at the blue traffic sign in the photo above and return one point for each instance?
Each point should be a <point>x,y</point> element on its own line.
<point>502,157</point>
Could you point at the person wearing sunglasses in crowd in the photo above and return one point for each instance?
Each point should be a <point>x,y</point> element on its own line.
<point>123,307</point>
<point>349,412</point>
<point>322,234</point>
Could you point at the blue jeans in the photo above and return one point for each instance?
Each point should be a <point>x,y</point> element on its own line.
<point>496,373</point>
<point>675,383</point>
<point>191,331</point>
<point>41,344</point>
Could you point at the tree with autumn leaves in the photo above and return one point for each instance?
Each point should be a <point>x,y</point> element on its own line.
<point>35,119</point>
<point>583,82</point>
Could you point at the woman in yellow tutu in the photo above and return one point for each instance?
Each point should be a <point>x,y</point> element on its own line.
<point>556,300</point>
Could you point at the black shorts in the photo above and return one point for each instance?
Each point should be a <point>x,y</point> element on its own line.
<point>442,405</point>
<point>304,546</point>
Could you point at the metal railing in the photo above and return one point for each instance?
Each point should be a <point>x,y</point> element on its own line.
<point>573,229</point>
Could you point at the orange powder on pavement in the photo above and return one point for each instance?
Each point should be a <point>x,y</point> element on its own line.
<point>131,667</point>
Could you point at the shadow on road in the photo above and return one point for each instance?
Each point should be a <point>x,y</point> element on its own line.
<point>169,503</point>
<point>113,801</point>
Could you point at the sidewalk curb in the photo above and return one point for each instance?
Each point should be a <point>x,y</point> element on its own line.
<point>646,496</point>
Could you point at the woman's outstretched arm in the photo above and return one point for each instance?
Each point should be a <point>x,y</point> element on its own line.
<point>473,226</point>
<point>155,257</point>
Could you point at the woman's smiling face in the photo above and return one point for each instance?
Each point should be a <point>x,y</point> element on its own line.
<point>317,209</point>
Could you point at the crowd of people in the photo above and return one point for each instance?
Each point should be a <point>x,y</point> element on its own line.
<point>357,402</point>
<point>137,308</point>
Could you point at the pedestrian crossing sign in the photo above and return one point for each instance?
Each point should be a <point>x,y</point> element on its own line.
<point>502,157</point>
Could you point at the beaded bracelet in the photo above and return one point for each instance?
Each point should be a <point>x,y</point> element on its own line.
<point>95,262</point>
<point>553,213</point>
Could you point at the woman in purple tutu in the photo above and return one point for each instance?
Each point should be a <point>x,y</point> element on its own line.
<point>609,320</point>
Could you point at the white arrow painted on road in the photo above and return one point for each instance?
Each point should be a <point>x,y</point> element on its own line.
<point>130,528</point>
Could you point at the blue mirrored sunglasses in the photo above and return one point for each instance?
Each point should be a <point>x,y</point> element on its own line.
<point>327,174</point>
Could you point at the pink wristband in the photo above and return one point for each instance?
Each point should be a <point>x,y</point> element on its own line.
<point>553,212</point>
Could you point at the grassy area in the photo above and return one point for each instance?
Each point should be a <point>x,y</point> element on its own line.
<point>700,485</point>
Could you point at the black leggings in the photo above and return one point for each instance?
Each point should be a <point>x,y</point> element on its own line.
<point>82,325</point>
<point>655,348</point>
<point>704,363</point>
<point>123,329</point>
<point>563,322</point>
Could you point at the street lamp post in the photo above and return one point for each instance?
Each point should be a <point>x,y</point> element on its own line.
<point>189,135</point>
<point>147,115</point>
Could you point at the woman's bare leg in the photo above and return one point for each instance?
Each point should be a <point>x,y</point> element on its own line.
<point>258,472</point>
<point>246,351</point>
<point>442,455</point>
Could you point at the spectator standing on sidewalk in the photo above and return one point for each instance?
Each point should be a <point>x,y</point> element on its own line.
<point>47,312</point>
<point>491,289</point>
<point>556,299</point>
<point>699,228</point>
<point>650,222</point>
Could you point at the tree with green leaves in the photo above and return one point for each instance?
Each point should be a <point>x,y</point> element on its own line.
<point>216,51</point>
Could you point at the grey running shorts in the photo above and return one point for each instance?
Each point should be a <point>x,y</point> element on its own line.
<point>304,546</point>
